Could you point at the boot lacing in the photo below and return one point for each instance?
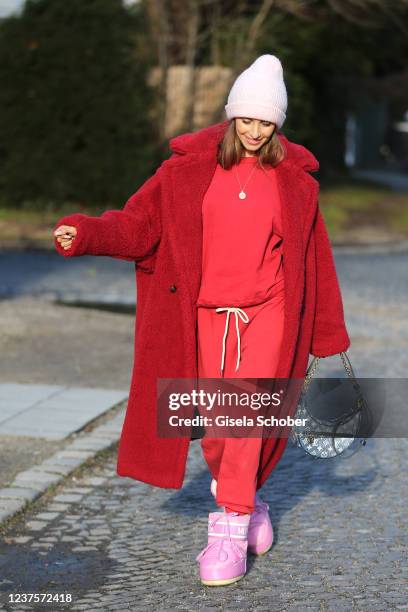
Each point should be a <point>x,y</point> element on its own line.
<point>216,547</point>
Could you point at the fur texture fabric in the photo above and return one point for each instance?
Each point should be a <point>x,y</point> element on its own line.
<point>160,230</point>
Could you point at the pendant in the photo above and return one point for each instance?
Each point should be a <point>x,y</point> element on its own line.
<point>242,195</point>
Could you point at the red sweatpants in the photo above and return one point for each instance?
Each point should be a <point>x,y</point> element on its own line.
<point>234,462</point>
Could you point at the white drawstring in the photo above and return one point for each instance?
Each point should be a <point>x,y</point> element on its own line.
<point>238,312</point>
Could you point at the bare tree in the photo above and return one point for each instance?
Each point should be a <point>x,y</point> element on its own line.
<point>231,30</point>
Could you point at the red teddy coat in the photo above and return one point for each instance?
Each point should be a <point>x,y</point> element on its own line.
<point>160,230</point>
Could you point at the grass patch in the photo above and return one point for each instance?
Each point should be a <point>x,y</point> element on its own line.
<point>353,204</point>
<point>33,223</point>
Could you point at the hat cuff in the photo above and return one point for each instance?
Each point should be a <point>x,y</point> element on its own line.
<point>256,111</point>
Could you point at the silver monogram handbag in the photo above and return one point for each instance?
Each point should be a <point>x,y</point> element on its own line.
<point>330,435</point>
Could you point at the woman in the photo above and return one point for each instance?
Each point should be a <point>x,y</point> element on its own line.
<point>228,225</point>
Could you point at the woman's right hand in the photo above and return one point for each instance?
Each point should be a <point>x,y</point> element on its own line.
<point>65,235</point>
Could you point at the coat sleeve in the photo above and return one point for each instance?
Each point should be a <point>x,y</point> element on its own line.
<point>329,331</point>
<point>132,233</point>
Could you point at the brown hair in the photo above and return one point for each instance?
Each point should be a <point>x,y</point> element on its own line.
<point>230,149</point>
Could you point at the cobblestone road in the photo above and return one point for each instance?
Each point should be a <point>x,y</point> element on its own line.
<point>341,525</point>
<point>117,544</point>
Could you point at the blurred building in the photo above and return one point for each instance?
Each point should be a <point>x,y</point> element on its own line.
<point>377,125</point>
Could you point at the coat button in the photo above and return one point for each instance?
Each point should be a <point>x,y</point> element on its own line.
<point>173,288</point>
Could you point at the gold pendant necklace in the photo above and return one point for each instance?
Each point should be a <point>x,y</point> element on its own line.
<point>242,195</point>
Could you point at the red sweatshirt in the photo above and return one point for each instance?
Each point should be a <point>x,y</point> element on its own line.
<point>242,239</point>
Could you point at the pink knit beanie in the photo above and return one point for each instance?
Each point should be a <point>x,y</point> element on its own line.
<point>259,92</point>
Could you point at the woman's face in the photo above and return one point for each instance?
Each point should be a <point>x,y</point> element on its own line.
<point>253,133</point>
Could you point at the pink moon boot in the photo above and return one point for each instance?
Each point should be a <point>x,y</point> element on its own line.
<point>260,531</point>
<point>223,561</point>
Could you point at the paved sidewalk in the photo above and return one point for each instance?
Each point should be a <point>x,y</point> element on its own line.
<point>117,544</point>
<point>51,411</point>
<point>33,415</point>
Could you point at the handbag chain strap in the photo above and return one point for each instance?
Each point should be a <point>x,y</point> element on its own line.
<point>347,366</point>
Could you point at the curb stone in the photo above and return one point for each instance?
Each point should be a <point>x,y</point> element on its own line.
<point>30,484</point>
<point>400,246</point>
